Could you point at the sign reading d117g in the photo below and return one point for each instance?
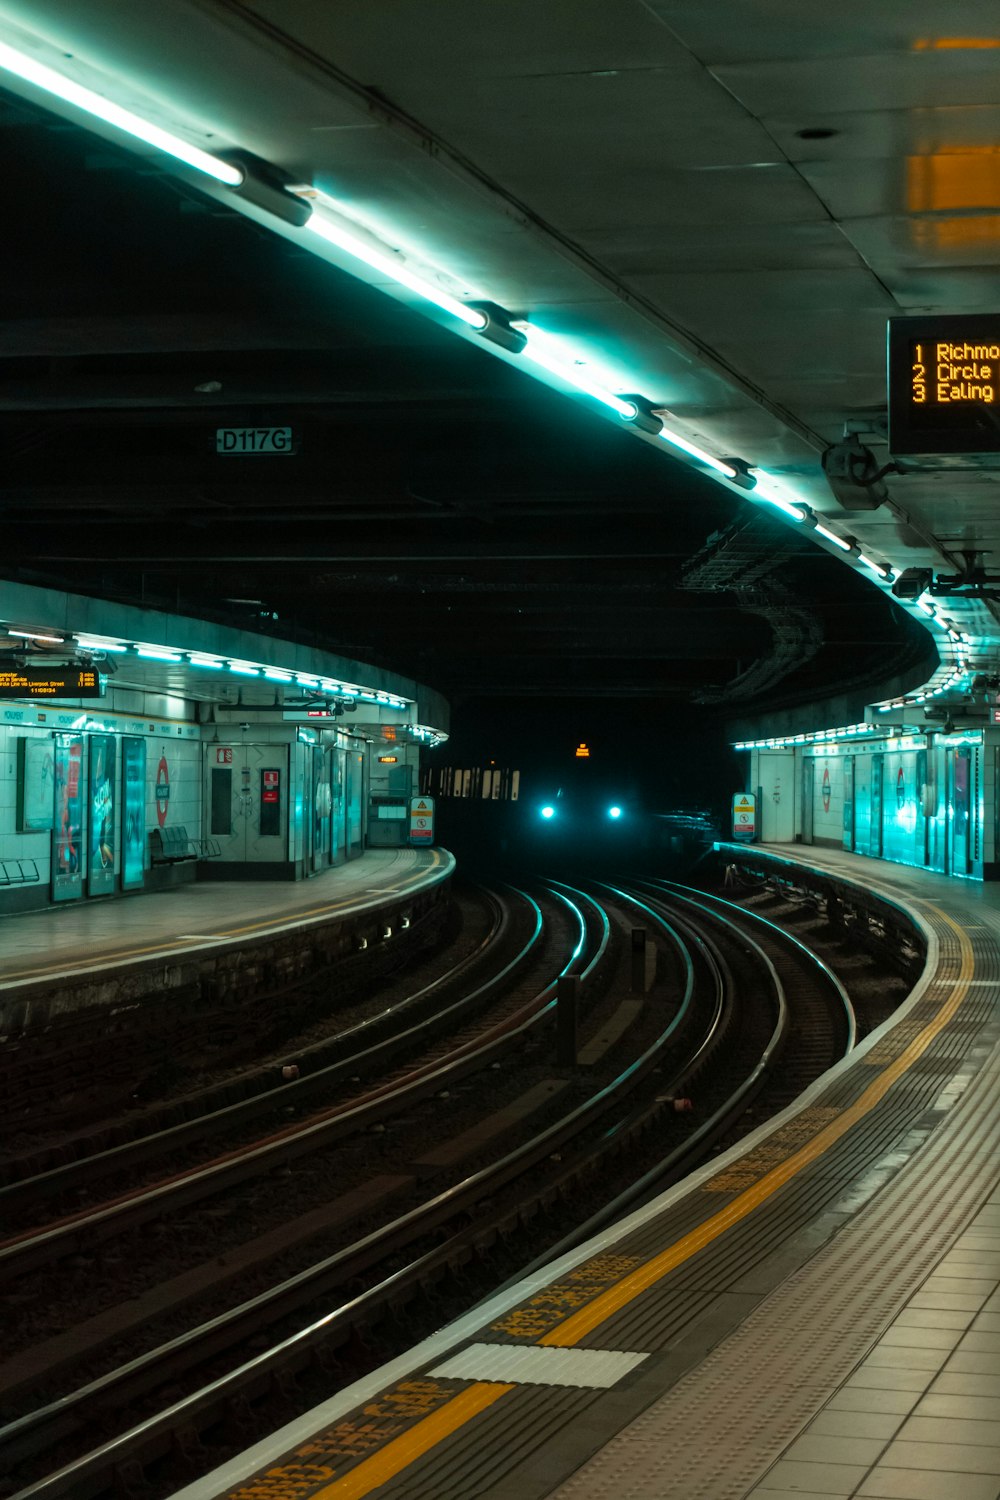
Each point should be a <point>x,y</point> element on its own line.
<point>242,442</point>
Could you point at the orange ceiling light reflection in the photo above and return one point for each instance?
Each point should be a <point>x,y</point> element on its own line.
<point>956,43</point>
<point>954,180</point>
<point>965,183</point>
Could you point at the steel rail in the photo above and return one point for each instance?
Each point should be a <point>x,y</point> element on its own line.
<point>40,1429</point>
<point>693,1149</point>
<point>789,939</point>
<point>378,1049</point>
<point>82,1230</point>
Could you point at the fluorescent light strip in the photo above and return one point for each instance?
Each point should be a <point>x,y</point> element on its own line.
<point>87,644</point>
<point>392,264</point>
<point>154,654</point>
<point>674,438</point>
<point>113,114</point>
<point>820,735</point>
<point>206,661</point>
<point>831,536</point>
<point>277,676</point>
<point>769,488</point>
<point>244,668</point>
<point>875,567</point>
<point>546,352</point>
<point>34,635</point>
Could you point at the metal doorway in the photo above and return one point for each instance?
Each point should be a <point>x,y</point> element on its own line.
<point>246,797</point>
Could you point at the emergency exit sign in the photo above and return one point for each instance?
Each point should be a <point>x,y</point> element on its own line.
<point>242,442</point>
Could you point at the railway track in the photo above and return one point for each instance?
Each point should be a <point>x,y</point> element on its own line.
<point>64,1076</point>
<point>631,1113</point>
<point>502,927</point>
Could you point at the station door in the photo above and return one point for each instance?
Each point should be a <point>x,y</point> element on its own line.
<point>246,797</point>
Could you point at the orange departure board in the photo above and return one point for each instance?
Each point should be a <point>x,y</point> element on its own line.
<point>944,387</point>
<point>50,682</point>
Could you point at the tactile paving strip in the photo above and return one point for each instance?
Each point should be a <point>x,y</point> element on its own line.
<point>722,1426</point>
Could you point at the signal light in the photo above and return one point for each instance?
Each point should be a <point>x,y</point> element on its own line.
<point>548,812</point>
<point>614,812</point>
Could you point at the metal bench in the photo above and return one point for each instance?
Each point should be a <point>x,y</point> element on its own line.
<point>18,872</point>
<point>173,845</point>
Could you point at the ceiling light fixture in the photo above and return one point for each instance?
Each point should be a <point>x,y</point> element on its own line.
<point>87,643</point>
<point>686,446</point>
<point>548,352</point>
<point>879,568</point>
<point>34,635</point>
<point>770,488</point>
<point>831,536</point>
<point>388,262</point>
<point>51,82</point>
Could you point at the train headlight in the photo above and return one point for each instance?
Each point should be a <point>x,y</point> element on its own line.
<point>614,812</point>
<point>548,811</point>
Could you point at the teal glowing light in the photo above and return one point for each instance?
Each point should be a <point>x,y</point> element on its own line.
<point>614,812</point>
<point>548,812</point>
<point>35,72</point>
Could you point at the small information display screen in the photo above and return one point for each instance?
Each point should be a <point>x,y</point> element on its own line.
<point>50,682</point>
<point>944,385</point>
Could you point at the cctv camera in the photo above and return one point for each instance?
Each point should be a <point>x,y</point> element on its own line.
<point>912,582</point>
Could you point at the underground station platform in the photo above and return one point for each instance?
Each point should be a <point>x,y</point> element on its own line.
<point>816,1312</point>
<point>62,961</point>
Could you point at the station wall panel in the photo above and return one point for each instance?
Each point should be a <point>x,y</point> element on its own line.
<point>828,800</point>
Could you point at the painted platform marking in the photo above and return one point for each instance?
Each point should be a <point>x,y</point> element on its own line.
<point>530,1364</point>
<point>389,1416</point>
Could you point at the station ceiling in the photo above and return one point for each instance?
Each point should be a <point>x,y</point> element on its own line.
<point>720,205</point>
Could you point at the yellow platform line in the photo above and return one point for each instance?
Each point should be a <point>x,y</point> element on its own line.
<point>406,1449</point>
<point>583,1322</point>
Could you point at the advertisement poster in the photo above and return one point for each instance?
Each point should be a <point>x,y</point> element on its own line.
<point>101,865</point>
<point>67,832</point>
<point>35,793</point>
<point>133,812</point>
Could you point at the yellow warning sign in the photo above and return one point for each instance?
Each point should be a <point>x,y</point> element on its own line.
<point>421,820</point>
<point>744,815</point>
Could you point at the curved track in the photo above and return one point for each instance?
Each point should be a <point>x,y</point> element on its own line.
<point>637,1101</point>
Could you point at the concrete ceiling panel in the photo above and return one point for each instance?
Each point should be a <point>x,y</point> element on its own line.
<point>392,42</point>
<point>730,30</point>
<point>921,79</point>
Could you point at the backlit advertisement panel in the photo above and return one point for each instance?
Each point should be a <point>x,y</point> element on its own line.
<point>101,864</point>
<point>133,812</point>
<point>67,832</point>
